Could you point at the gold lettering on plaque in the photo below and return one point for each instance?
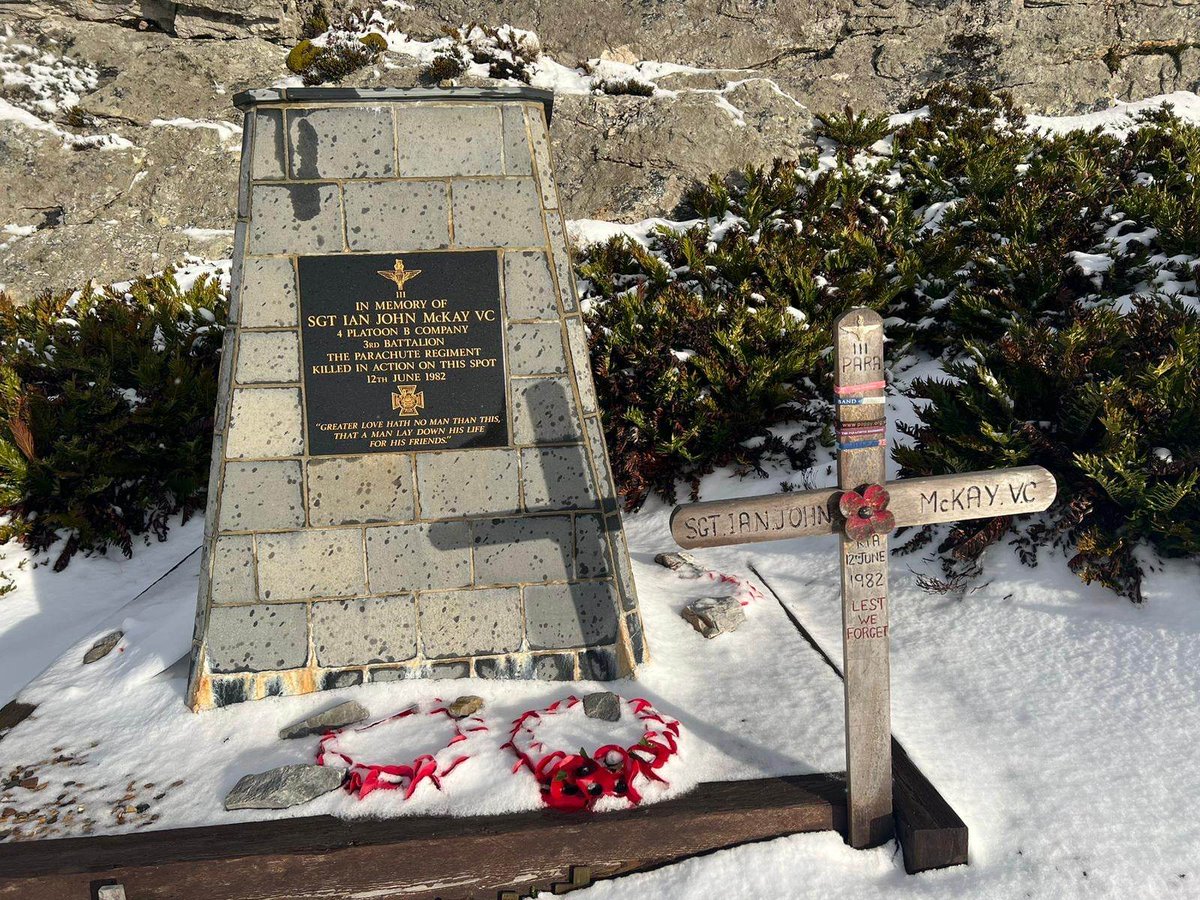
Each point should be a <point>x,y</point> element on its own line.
<point>408,400</point>
<point>399,276</point>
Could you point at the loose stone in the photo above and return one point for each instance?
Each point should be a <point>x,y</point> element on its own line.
<point>336,717</point>
<point>464,706</point>
<point>103,647</point>
<point>714,615</point>
<point>284,787</point>
<point>682,563</point>
<point>603,705</point>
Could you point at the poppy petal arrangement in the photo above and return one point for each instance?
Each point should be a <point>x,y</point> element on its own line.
<point>866,513</point>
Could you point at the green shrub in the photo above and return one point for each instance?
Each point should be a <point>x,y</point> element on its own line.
<point>342,54</point>
<point>106,404</point>
<point>627,87</point>
<point>443,67</point>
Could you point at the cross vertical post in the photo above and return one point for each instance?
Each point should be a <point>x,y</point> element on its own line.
<point>862,460</point>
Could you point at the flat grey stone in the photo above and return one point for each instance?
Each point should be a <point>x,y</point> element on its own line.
<point>470,623</point>
<point>456,669</point>
<point>233,569</point>
<point>343,678</point>
<point>523,550</point>
<point>683,564</point>
<point>362,632</point>
<point>110,892</point>
<point>598,664</point>
<point>312,564</point>
<point>375,487</point>
<point>620,548</point>
<point>395,216</point>
<point>591,547</point>
<point>562,616</point>
<point>267,356</point>
<point>536,348</point>
<point>339,716</point>
<point>262,496</point>
<point>714,615</point>
<point>266,161</point>
<point>557,478</point>
<point>637,639</point>
<point>102,647</point>
<point>554,667</point>
<point>460,139</point>
<point>544,411</point>
<point>466,705</point>
<point>295,218</point>
<point>265,422</point>
<point>541,156</point>
<point>426,556</point>
<point>517,157</point>
<point>581,361</point>
<point>529,290</point>
<point>268,293</point>
<point>595,437</point>
<point>285,787</point>
<point>341,142</point>
<point>497,212</point>
<point>603,705</point>
<point>257,638</point>
<point>468,483</point>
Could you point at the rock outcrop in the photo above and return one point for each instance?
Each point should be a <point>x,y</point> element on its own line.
<point>129,169</point>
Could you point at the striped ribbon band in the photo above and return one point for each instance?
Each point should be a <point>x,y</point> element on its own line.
<point>841,389</point>
<point>859,401</point>
<point>859,445</point>
<point>861,429</point>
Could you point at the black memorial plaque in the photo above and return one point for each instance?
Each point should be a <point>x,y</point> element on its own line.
<point>402,352</point>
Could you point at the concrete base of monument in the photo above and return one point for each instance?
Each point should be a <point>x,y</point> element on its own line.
<point>506,856</point>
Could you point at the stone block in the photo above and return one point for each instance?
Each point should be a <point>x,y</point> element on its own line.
<point>348,713</point>
<point>358,632</point>
<point>536,348</point>
<point>427,556</point>
<point>285,787</point>
<point>714,615</point>
<point>529,290</point>
<point>341,678</point>
<point>557,478</point>
<point>523,550</point>
<point>268,356</point>
<point>457,669</point>
<point>599,664</point>
<point>470,623</point>
<point>254,638</point>
<point>620,552</point>
<point>541,156</point>
<point>457,139</point>
<point>497,212</point>
<point>637,639</point>
<point>581,361</point>
<point>554,667</point>
<point>559,248</point>
<point>512,666</point>
<point>544,411</point>
<point>395,216</point>
<point>595,437</point>
<point>233,569</point>
<point>468,483</point>
<point>265,422</point>
<point>341,142</point>
<point>295,218</point>
<point>268,293</point>
<point>267,161</point>
<point>376,487</point>
<point>602,705</point>
<point>397,673</point>
<point>261,496</point>
<point>517,158</point>
<point>591,547</point>
<point>318,563</point>
<point>561,616</point>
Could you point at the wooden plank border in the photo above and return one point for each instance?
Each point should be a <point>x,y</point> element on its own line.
<point>418,858</point>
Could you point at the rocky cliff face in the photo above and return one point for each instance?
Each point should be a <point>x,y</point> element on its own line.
<point>119,141</point>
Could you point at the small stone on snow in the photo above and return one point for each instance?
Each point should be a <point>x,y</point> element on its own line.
<point>336,717</point>
<point>464,706</point>
<point>103,647</point>
<point>714,615</point>
<point>284,787</point>
<point>604,705</point>
<point>683,563</point>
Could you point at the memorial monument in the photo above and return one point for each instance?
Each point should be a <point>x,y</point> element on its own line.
<point>409,476</point>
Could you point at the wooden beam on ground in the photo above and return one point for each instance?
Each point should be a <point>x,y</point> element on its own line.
<point>418,858</point>
<point>930,831</point>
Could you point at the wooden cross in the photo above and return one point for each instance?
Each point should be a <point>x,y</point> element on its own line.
<point>863,513</point>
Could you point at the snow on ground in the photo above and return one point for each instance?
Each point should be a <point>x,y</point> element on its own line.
<point>1119,118</point>
<point>122,720</point>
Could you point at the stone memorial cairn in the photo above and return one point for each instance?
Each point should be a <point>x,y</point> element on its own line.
<point>863,510</point>
<point>409,476</point>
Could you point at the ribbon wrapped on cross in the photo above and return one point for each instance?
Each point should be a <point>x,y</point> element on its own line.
<point>864,509</point>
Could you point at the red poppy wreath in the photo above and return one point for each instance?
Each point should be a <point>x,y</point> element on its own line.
<point>366,777</point>
<point>576,781</point>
